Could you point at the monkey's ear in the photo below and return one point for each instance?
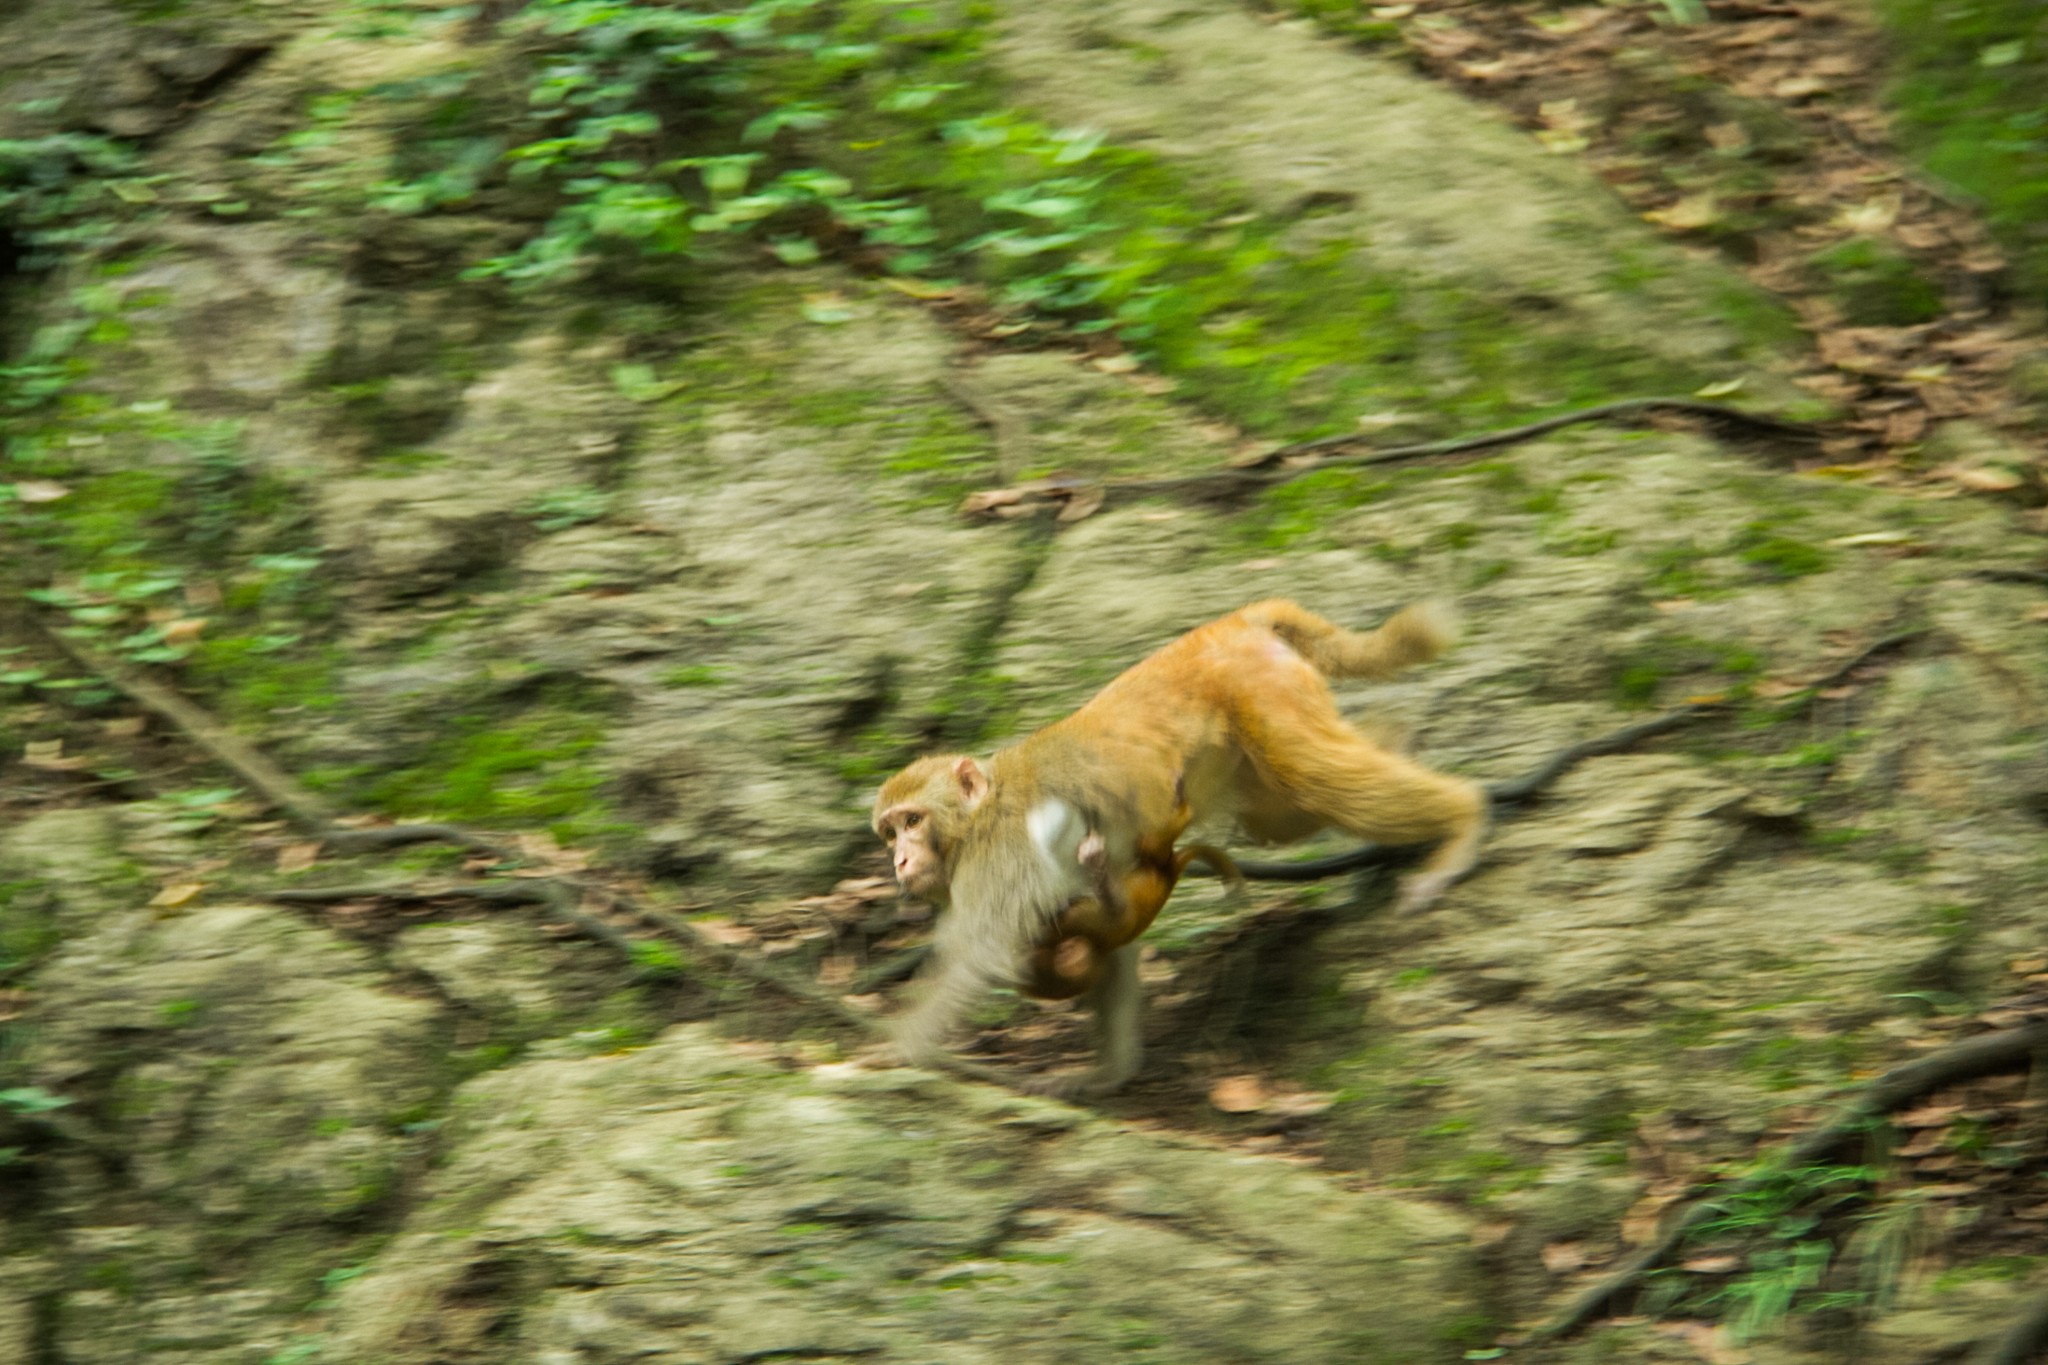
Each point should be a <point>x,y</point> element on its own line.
<point>973,781</point>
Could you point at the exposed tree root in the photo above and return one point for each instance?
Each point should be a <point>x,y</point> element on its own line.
<point>1074,499</point>
<point>564,896</point>
<point>2038,577</point>
<point>555,894</point>
<point>221,744</point>
<point>1972,1057</point>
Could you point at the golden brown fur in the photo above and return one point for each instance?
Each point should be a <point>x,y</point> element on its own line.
<point>1234,720</point>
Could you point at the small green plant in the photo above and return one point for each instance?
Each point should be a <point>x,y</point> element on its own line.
<point>59,192</point>
<point>659,958</point>
<point>1779,1222</point>
<point>195,808</point>
<point>1763,546</point>
<point>30,1100</point>
<point>567,507</point>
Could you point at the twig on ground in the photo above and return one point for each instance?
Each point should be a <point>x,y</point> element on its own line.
<point>1972,1057</point>
<point>892,969</point>
<point>551,892</point>
<point>372,837</point>
<point>1005,428</point>
<point>1809,694</point>
<point>2035,576</point>
<point>222,745</point>
<point>305,809</point>
<point>1289,462</point>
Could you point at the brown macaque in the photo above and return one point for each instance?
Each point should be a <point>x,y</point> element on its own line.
<point>1232,721</point>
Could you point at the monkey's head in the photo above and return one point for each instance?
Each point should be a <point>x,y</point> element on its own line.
<point>920,814</point>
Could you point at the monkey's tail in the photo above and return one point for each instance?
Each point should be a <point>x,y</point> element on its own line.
<point>1415,634</point>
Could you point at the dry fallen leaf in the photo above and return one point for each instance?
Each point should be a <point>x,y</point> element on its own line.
<point>1710,1342</point>
<point>1115,364</point>
<point>125,727</point>
<point>39,490</point>
<point>1728,138</point>
<point>921,289</point>
<point>724,931</point>
<point>1985,478</point>
<point>1301,1104</point>
<point>1926,1142</point>
<point>1799,87</point>
<point>298,857</point>
<point>990,500</point>
<point>1570,22</point>
<point>1082,505</point>
<point>177,893</point>
<point>1238,1094</point>
<point>184,630</point>
<point>1870,538</point>
<point>1870,218</point>
<point>1562,1258</point>
<point>1712,1265</point>
<point>1928,1116</point>
<point>48,755</point>
<point>1639,1225</point>
<point>1689,214</point>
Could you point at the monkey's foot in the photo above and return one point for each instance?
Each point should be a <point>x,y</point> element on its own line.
<point>1072,1085</point>
<point>1420,891</point>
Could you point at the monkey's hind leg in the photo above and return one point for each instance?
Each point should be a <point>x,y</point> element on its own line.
<point>1331,773</point>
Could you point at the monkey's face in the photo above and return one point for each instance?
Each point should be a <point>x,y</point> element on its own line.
<point>917,847</point>
<point>920,812</point>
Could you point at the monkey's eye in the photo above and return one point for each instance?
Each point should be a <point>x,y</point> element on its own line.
<point>913,819</point>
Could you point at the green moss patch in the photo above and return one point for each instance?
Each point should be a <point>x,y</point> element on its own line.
<point>520,764</point>
<point>1876,285</point>
<point>1972,92</point>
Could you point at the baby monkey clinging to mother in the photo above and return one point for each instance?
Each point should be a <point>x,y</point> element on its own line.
<point>1054,856</point>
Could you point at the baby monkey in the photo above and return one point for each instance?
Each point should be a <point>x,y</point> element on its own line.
<point>1075,952</point>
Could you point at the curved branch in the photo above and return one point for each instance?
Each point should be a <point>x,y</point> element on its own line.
<point>1963,1061</point>
<point>1286,463</point>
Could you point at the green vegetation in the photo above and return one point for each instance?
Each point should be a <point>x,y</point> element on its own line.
<point>652,134</point>
<point>1640,674</point>
<point>1764,546</point>
<point>520,764</point>
<point>28,928</point>
<point>1876,285</point>
<point>1972,89</point>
